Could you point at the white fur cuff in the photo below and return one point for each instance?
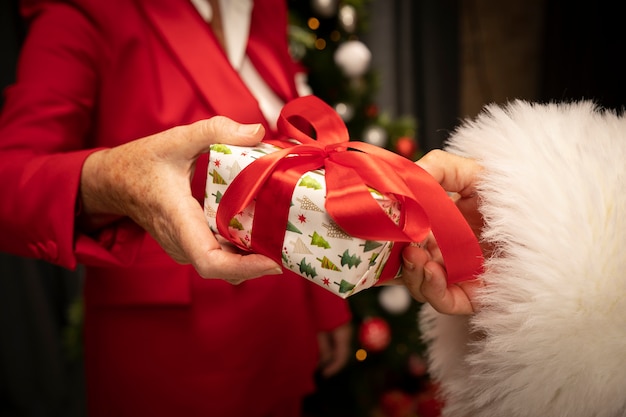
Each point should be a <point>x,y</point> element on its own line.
<point>550,340</point>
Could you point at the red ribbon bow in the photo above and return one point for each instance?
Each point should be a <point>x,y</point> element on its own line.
<point>350,168</point>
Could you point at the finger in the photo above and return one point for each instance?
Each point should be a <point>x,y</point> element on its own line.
<point>340,353</point>
<point>414,258</point>
<point>228,246</point>
<point>325,349</point>
<point>454,173</point>
<point>333,365</point>
<point>206,255</point>
<point>447,299</point>
<point>236,268</point>
<point>432,248</point>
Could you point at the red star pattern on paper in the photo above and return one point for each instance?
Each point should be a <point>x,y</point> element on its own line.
<point>302,218</point>
<point>244,153</point>
<point>218,163</point>
<point>326,281</point>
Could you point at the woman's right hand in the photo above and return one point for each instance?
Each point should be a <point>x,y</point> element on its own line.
<point>149,181</point>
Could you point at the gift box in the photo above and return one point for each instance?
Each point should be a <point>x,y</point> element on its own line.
<point>314,246</point>
<point>330,210</point>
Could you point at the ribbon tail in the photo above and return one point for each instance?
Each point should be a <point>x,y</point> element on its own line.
<point>459,246</point>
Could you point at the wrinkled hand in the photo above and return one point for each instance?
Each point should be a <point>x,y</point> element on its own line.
<point>334,349</point>
<point>423,271</point>
<point>149,180</point>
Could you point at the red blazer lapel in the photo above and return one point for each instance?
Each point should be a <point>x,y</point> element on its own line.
<point>219,85</point>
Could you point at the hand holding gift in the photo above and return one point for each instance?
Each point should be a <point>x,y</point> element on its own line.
<point>148,180</point>
<point>336,212</point>
<point>424,274</point>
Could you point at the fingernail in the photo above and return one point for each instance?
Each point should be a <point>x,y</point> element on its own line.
<point>274,271</point>
<point>428,274</point>
<point>408,265</point>
<point>249,129</point>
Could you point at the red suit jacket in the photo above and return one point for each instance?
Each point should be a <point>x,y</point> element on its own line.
<point>159,339</point>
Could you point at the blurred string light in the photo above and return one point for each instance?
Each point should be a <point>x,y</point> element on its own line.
<point>320,43</point>
<point>313,23</point>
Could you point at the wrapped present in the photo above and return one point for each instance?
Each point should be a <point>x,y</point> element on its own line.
<point>314,246</point>
<point>334,211</point>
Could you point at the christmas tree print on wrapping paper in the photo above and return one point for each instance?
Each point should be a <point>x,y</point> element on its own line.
<point>370,245</point>
<point>319,257</point>
<point>217,178</point>
<point>328,264</point>
<point>307,268</point>
<point>319,241</point>
<point>221,148</point>
<point>352,260</point>
<point>310,182</point>
<point>307,204</point>
<point>311,198</point>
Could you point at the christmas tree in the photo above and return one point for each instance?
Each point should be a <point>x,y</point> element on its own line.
<point>386,376</point>
<point>324,38</point>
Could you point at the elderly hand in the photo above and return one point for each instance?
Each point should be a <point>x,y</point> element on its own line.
<point>334,349</point>
<point>423,271</point>
<point>149,180</point>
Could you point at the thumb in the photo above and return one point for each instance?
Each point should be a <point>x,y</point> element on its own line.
<point>192,140</point>
<point>220,129</point>
<point>454,173</point>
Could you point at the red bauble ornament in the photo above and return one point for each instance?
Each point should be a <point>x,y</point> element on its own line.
<point>396,403</point>
<point>374,334</point>
<point>417,365</point>
<point>406,147</point>
<point>371,111</point>
<point>428,403</point>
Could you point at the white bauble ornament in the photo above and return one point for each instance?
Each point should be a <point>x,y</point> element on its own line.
<point>347,18</point>
<point>353,58</point>
<point>325,8</point>
<point>395,299</point>
<point>345,111</point>
<point>375,135</point>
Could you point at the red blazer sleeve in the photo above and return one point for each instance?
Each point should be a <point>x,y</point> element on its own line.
<point>44,124</point>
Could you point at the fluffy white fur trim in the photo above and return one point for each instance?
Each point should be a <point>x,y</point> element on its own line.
<point>551,339</point>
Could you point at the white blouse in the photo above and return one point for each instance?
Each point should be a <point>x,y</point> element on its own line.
<point>236,15</point>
